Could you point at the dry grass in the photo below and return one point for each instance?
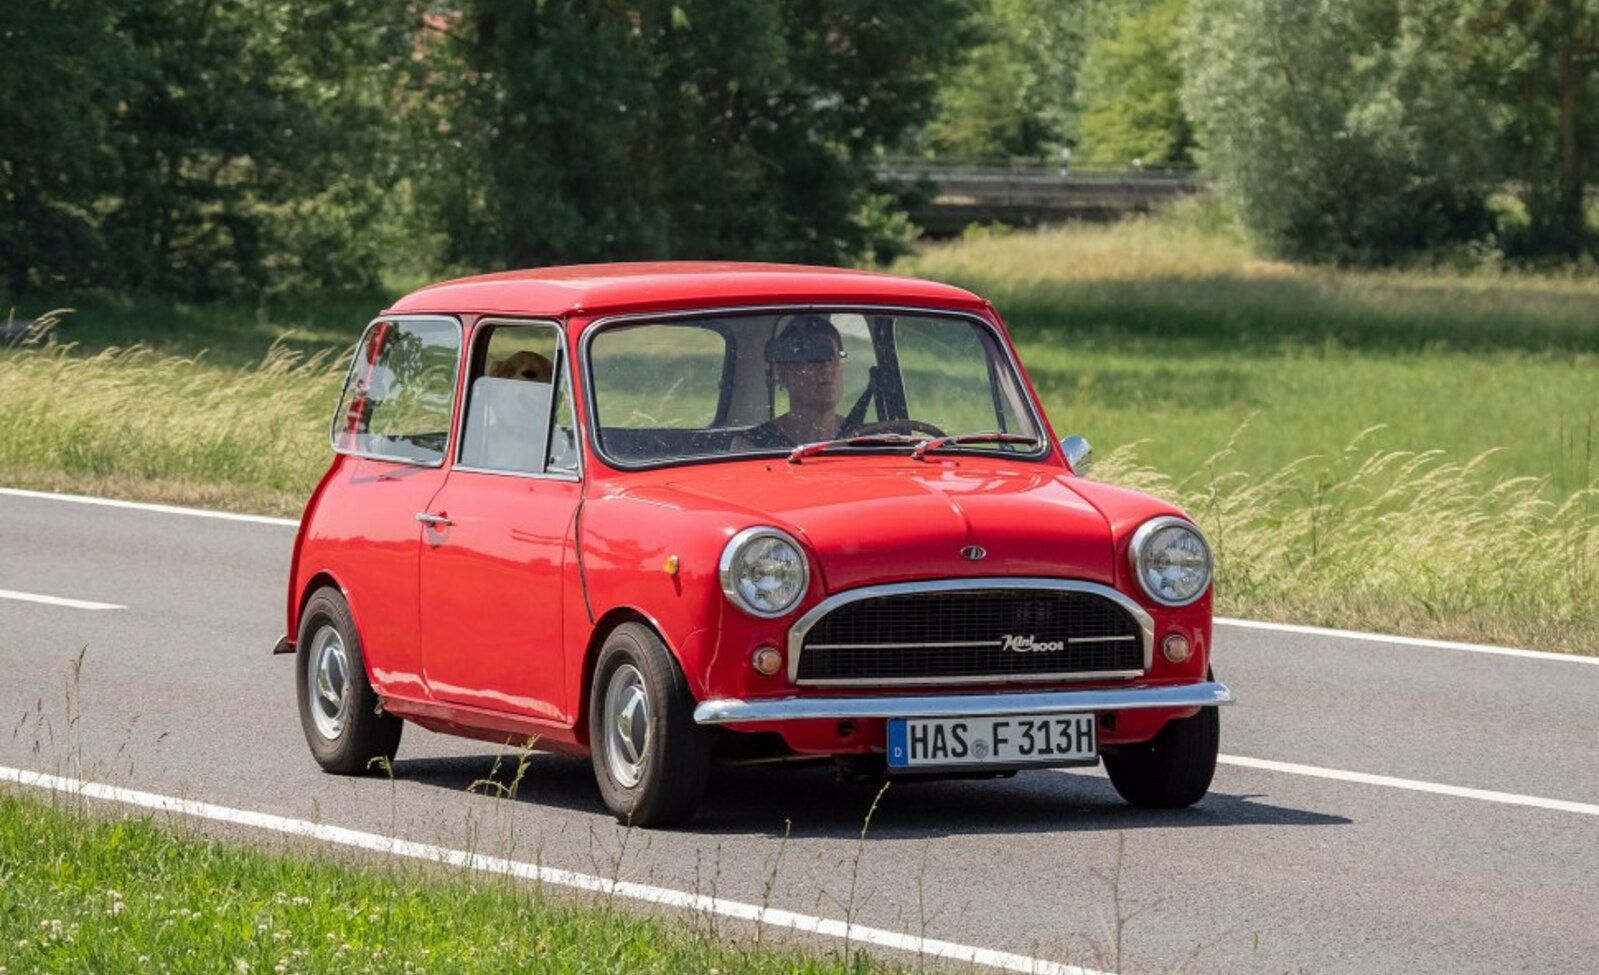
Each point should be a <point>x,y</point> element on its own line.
<point>1394,541</point>
<point>135,423</point>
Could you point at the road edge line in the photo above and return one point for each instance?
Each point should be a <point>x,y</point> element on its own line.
<point>165,509</point>
<point>1409,641</point>
<point>699,903</point>
<point>34,597</point>
<point>1411,785</point>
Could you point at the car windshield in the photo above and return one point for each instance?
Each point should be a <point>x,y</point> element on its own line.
<point>738,385</point>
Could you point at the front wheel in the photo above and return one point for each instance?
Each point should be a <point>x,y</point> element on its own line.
<point>338,707</point>
<point>1174,768</point>
<point>651,760</point>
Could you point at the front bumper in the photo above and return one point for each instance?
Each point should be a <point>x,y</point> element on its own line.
<point>733,711</point>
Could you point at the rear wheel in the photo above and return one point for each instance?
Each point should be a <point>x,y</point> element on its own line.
<point>651,760</point>
<point>1174,768</point>
<point>338,707</point>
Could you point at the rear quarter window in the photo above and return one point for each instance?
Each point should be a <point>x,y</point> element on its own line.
<point>400,392</point>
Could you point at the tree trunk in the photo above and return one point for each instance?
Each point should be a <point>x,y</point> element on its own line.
<point>1569,226</point>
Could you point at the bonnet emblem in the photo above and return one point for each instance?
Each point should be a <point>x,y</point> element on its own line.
<point>974,552</point>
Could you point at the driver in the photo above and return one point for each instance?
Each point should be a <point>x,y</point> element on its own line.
<point>807,360</point>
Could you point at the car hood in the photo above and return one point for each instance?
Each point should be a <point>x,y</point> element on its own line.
<point>890,519</point>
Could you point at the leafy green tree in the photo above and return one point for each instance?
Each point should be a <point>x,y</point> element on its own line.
<point>592,130</point>
<point>1013,94</point>
<point>1341,128</point>
<point>1538,63</point>
<point>60,85</point>
<point>1130,88</point>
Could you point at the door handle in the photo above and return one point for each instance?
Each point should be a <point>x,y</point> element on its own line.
<point>432,520</point>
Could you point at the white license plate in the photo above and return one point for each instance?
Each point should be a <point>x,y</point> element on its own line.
<point>1017,739</point>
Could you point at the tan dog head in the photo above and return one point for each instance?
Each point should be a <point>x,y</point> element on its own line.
<point>524,365</point>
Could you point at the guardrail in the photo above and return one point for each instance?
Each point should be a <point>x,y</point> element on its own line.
<point>1030,193</point>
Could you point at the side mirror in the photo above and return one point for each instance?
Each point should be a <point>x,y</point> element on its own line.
<point>1078,454</point>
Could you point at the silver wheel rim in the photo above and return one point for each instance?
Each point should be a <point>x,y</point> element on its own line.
<point>627,725</point>
<point>327,685</point>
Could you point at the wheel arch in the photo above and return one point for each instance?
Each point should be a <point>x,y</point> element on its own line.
<point>603,628</point>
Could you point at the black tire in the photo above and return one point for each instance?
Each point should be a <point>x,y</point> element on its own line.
<point>1174,768</point>
<point>665,786</point>
<point>363,734</point>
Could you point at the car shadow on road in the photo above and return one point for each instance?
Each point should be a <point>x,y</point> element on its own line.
<point>812,802</point>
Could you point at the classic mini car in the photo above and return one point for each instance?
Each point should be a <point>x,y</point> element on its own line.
<point>668,514</point>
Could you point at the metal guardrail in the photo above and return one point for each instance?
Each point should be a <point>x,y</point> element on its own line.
<point>1029,193</point>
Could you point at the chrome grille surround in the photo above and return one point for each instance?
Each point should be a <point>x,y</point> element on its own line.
<point>805,624</point>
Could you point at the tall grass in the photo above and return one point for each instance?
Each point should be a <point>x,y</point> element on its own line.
<point>138,423</point>
<point>1393,541</point>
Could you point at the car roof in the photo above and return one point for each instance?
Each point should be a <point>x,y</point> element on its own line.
<point>592,289</point>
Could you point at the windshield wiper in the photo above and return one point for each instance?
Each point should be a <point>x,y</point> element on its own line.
<point>934,443</point>
<point>805,450</point>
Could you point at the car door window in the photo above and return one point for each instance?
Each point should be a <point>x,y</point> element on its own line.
<point>516,389</point>
<point>400,390</point>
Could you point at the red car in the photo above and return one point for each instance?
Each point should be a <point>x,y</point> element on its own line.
<point>663,514</point>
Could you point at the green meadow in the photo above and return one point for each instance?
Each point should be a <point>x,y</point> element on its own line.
<point>1412,451</point>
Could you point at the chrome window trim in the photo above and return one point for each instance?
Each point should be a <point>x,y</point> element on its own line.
<point>449,444</point>
<point>566,370</point>
<point>586,365</point>
<point>803,626</point>
<point>724,569</point>
<point>1134,556</point>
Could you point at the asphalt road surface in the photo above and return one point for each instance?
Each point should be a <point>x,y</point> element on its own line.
<point>1275,871</point>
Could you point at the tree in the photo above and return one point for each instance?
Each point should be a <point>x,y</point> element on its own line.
<point>1341,128</point>
<point>1536,61</point>
<point>1130,88</point>
<point>591,130</point>
<point>1012,96</point>
<point>60,84</point>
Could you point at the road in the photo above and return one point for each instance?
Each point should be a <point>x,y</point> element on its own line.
<point>1274,871</point>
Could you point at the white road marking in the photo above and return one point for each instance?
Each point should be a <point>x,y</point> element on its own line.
<point>1221,620</point>
<point>1413,785</point>
<point>393,846</point>
<point>31,597</point>
<point>1409,641</point>
<point>165,509</point>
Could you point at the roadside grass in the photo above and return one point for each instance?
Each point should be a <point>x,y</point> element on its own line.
<point>81,893</point>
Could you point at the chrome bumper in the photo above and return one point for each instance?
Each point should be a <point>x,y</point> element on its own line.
<point>732,711</point>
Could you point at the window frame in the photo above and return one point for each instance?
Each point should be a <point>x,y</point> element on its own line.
<point>1044,451</point>
<point>482,330</point>
<point>335,425</point>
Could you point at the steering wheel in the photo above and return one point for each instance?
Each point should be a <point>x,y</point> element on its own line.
<point>893,426</point>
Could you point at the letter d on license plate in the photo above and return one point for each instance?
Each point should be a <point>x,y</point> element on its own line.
<point>1017,739</point>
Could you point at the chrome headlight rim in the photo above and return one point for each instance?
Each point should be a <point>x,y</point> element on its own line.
<point>730,552</point>
<point>1135,556</point>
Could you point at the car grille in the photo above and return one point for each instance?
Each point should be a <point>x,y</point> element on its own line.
<point>971,636</point>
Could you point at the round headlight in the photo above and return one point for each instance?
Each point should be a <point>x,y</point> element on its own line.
<point>1171,560</point>
<point>763,571</point>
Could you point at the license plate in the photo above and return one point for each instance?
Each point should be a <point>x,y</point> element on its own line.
<point>1018,739</point>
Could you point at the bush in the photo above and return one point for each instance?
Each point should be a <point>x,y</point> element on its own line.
<point>1338,127</point>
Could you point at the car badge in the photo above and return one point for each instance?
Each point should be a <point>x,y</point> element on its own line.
<point>974,552</point>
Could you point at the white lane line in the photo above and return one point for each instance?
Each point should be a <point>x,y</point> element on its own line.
<point>393,846</point>
<point>165,509</point>
<point>1409,641</point>
<point>31,597</point>
<point>1413,785</point>
<point>1222,620</point>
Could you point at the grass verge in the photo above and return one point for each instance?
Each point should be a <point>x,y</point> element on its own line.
<point>82,894</point>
